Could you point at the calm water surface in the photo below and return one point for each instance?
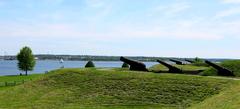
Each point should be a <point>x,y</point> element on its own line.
<point>10,67</point>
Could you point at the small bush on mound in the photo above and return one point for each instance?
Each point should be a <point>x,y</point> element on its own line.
<point>233,65</point>
<point>89,64</point>
<point>125,65</point>
<point>199,62</point>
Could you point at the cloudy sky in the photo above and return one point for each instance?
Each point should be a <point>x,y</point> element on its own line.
<point>166,28</point>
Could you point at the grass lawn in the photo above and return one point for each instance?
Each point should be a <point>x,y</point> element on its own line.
<point>18,79</point>
<point>112,89</point>
<point>160,67</point>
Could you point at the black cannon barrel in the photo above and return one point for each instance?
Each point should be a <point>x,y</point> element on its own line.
<point>134,65</point>
<point>191,61</point>
<point>172,69</point>
<point>176,61</point>
<point>221,70</point>
<point>130,61</point>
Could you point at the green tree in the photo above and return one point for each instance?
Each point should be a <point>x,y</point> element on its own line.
<point>26,60</point>
<point>198,60</point>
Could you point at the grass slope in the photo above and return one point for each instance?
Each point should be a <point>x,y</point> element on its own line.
<point>228,99</point>
<point>160,67</point>
<point>91,88</point>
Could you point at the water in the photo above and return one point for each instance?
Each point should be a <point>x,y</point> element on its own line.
<point>8,67</point>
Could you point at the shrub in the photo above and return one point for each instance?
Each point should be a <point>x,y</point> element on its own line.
<point>89,64</point>
<point>199,62</point>
<point>209,72</point>
<point>125,65</point>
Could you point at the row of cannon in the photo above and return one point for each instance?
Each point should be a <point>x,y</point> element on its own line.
<point>139,66</point>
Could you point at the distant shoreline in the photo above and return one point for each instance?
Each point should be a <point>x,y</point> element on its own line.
<point>101,58</point>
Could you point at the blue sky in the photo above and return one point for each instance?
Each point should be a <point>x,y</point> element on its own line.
<point>165,28</point>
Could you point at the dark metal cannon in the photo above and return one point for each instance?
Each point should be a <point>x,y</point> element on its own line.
<point>134,65</point>
<point>221,70</point>
<point>176,61</point>
<point>172,69</point>
<point>190,61</point>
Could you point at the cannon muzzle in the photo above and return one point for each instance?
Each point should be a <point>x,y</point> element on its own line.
<point>134,65</point>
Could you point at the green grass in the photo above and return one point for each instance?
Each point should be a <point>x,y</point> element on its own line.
<point>160,67</point>
<point>18,79</point>
<point>111,89</point>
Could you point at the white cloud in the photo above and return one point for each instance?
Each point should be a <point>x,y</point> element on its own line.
<point>33,3</point>
<point>171,9</point>
<point>95,3</point>
<point>54,1</point>
<point>2,3</point>
<point>232,28</point>
<point>176,8</point>
<point>196,28</point>
<point>231,1</point>
<point>228,12</point>
<point>179,31</point>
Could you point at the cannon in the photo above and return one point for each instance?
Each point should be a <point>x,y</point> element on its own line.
<point>172,69</point>
<point>176,61</point>
<point>134,65</point>
<point>221,70</point>
<point>190,61</point>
